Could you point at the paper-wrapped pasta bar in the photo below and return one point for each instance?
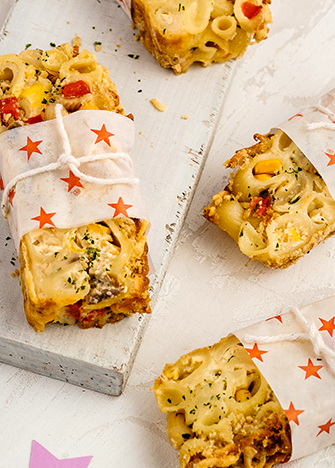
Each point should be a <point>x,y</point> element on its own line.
<point>279,202</point>
<point>221,412</point>
<point>256,398</point>
<point>178,33</point>
<point>70,195</point>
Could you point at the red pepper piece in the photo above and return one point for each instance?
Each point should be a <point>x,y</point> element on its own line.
<point>35,119</point>
<point>260,205</point>
<point>75,89</point>
<point>250,10</point>
<point>10,106</point>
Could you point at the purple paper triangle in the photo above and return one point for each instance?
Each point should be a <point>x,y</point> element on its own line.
<point>42,458</point>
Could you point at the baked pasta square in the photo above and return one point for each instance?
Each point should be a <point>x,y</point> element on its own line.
<point>276,205</point>
<point>221,412</point>
<point>179,33</point>
<point>90,274</point>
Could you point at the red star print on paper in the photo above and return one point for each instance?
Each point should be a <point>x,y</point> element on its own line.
<point>1,184</point>
<point>327,325</point>
<point>295,115</point>
<point>331,156</point>
<point>311,369</point>
<point>31,147</point>
<point>44,218</point>
<point>42,458</point>
<point>73,181</point>
<point>325,427</point>
<point>255,352</point>
<point>293,414</point>
<point>278,317</point>
<point>11,195</point>
<point>120,208</point>
<point>103,135</point>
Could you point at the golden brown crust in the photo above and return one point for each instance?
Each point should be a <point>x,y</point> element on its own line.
<point>263,144</point>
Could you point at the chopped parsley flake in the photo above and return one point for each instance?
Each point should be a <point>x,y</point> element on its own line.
<point>292,201</point>
<point>294,171</point>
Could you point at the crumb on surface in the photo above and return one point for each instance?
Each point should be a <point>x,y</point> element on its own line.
<point>159,106</point>
<point>76,41</point>
<point>185,117</point>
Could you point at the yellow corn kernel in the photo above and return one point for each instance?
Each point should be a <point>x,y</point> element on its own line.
<point>295,235</point>
<point>242,395</point>
<point>263,176</point>
<point>88,106</point>
<point>35,94</point>
<point>269,166</point>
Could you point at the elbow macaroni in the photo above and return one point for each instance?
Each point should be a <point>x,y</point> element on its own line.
<point>179,33</point>
<point>276,206</point>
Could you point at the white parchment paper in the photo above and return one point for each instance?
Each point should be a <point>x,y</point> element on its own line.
<point>313,131</point>
<point>59,197</point>
<point>126,6</point>
<point>303,380</point>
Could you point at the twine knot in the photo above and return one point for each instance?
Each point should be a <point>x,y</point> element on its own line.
<point>68,160</point>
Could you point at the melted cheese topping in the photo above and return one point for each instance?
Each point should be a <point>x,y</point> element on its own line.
<point>215,397</point>
<point>94,264</point>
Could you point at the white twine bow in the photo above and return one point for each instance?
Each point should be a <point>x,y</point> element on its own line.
<point>312,334</point>
<point>67,159</point>
<point>326,125</point>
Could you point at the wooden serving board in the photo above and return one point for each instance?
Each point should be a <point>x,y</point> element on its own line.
<point>169,155</point>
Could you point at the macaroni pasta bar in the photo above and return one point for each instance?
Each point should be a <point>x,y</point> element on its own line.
<point>179,34</point>
<point>276,206</point>
<point>96,273</point>
<point>221,412</point>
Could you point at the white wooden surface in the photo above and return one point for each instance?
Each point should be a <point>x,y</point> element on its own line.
<point>168,156</point>
<point>210,289</point>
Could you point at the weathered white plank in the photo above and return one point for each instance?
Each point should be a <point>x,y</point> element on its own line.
<point>169,155</point>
